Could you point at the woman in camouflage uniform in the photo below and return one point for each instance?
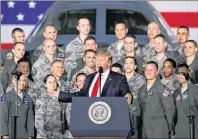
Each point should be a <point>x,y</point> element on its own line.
<point>50,115</point>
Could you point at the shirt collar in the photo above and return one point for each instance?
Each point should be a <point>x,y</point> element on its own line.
<point>106,73</point>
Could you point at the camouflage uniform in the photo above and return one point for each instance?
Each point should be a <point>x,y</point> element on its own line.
<point>74,50</point>
<point>180,50</point>
<point>135,83</point>
<point>148,52</point>
<point>159,62</point>
<point>50,118</point>
<point>172,84</point>
<point>41,67</point>
<point>116,55</point>
<point>64,86</point>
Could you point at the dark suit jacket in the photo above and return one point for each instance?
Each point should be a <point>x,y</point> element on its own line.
<point>115,85</point>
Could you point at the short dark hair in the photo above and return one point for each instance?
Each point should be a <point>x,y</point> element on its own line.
<point>130,36</point>
<point>89,50</point>
<point>49,25</point>
<point>193,42</point>
<point>117,65</point>
<point>160,36</point>
<point>17,43</point>
<point>55,62</point>
<point>82,17</point>
<point>89,38</point>
<point>184,27</point>
<point>16,30</point>
<point>183,65</point>
<point>119,22</point>
<point>24,59</point>
<point>79,74</point>
<point>47,76</point>
<point>173,63</point>
<point>152,62</point>
<point>135,61</point>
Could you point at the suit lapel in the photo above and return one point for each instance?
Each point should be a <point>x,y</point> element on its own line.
<point>88,82</point>
<point>107,83</point>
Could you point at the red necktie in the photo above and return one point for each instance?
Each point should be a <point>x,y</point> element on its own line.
<point>95,88</point>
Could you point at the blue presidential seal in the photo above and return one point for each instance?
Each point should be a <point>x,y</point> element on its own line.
<point>99,112</point>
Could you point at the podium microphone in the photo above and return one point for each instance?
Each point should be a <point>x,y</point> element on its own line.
<point>100,70</point>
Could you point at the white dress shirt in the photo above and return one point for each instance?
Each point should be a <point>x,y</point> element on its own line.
<point>103,80</point>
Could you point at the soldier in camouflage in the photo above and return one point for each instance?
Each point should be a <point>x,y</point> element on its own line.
<point>135,81</point>
<point>148,50</point>
<point>50,115</point>
<point>116,49</point>
<point>131,48</point>
<point>49,32</point>
<point>75,49</point>
<point>57,69</point>
<point>42,65</point>
<point>169,78</point>
<point>90,64</point>
<point>161,53</point>
<point>182,36</point>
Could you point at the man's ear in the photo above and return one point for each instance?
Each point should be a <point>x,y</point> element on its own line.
<point>96,45</point>
<point>13,51</point>
<point>127,30</point>
<point>44,34</point>
<point>83,58</point>
<point>77,27</point>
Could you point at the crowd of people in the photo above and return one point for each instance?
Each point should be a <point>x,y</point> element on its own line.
<point>159,81</point>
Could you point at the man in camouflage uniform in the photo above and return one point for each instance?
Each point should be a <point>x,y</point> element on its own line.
<point>182,36</point>
<point>161,53</point>
<point>157,105</point>
<point>131,48</point>
<point>75,49</point>
<point>42,65</point>
<point>169,78</point>
<point>116,49</point>
<point>90,64</point>
<point>148,50</point>
<point>49,32</point>
<point>57,69</point>
<point>89,43</point>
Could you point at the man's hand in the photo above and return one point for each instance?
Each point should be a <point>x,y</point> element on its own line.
<point>5,137</point>
<point>53,93</point>
<point>129,98</point>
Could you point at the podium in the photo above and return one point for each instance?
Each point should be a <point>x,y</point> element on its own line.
<point>100,118</point>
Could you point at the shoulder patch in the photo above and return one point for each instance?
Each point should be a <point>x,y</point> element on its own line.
<point>3,99</point>
<point>9,56</point>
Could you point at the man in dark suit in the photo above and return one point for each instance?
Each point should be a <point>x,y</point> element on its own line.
<point>112,83</point>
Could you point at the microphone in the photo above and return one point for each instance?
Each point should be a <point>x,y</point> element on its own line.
<point>100,70</point>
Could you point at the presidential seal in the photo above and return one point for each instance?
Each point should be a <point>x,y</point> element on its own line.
<point>99,112</point>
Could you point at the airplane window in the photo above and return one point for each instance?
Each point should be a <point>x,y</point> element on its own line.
<point>135,21</point>
<point>68,21</point>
